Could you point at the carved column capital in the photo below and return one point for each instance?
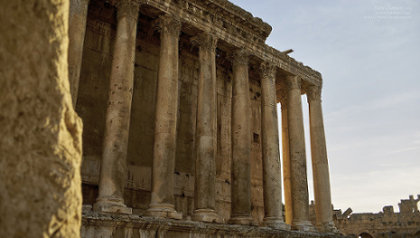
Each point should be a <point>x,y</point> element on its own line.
<point>313,93</point>
<point>268,70</point>
<point>293,82</point>
<point>169,25</point>
<point>205,40</point>
<point>128,8</point>
<point>241,57</point>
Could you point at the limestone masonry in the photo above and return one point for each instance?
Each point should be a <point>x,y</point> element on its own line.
<point>178,100</point>
<point>386,224</point>
<point>180,129</point>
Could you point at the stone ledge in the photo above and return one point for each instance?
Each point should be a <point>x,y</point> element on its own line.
<point>113,225</point>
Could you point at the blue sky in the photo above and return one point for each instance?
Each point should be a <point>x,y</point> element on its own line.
<point>368,52</point>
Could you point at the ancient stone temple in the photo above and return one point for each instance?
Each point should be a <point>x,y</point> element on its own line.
<point>180,139</point>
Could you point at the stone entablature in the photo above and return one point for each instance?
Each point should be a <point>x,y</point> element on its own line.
<point>237,27</point>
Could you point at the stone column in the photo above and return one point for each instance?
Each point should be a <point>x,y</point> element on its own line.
<point>298,176</point>
<point>273,206</point>
<point>162,201</point>
<point>77,28</point>
<point>206,134</point>
<point>241,141</point>
<point>288,202</point>
<point>113,167</point>
<point>323,207</point>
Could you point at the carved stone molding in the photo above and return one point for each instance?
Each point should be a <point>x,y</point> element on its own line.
<point>169,25</point>
<point>206,41</point>
<point>268,71</point>
<point>128,8</point>
<point>313,93</point>
<point>241,57</point>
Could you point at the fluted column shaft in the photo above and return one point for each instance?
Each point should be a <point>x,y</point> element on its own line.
<point>273,211</point>
<point>206,134</point>
<point>162,201</point>
<point>288,201</point>
<point>323,207</point>
<point>77,29</point>
<point>298,175</point>
<point>241,141</point>
<point>113,167</point>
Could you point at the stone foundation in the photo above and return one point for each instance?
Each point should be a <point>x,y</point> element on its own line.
<point>134,226</point>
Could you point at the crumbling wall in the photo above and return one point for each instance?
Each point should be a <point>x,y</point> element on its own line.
<point>40,142</point>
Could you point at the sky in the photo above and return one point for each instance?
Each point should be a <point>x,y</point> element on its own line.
<point>368,52</point>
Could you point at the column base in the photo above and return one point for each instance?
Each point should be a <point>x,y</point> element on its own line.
<point>328,227</point>
<point>164,211</point>
<point>242,220</point>
<point>276,223</point>
<point>111,205</point>
<point>206,215</point>
<point>303,226</point>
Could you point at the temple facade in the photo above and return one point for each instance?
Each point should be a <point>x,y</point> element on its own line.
<point>180,129</point>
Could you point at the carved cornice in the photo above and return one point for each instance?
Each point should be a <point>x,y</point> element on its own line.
<point>236,27</point>
<point>128,8</point>
<point>313,93</point>
<point>169,25</point>
<point>205,41</point>
<point>268,70</point>
<point>241,57</point>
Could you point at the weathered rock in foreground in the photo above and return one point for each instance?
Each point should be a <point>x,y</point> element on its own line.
<point>40,143</point>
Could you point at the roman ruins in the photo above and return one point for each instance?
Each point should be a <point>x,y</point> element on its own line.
<point>178,100</point>
<point>385,224</point>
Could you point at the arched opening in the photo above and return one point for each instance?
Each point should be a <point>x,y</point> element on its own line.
<point>365,235</point>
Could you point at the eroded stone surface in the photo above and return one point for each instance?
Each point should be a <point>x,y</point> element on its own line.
<point>40,143</point>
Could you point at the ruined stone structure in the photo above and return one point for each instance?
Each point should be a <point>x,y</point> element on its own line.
<point>386,224</point>
<point>180,139</point>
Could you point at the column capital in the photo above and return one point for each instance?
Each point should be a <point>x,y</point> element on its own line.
<point>293,82</point>
<point>268,70</point>
<point>313,93</point>
<point>128,8</point>
<point>241,57</point>
<point>205,40</point>
<point>170,25</point>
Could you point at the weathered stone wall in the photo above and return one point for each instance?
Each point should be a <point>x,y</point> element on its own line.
<point>40,143</point>
<point>386,224</point>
